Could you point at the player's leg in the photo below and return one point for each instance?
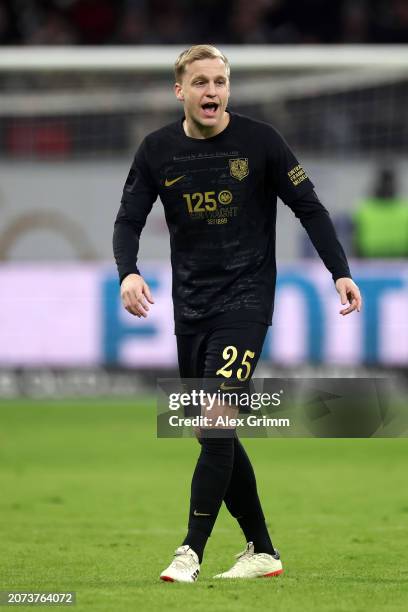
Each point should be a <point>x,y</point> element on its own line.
<point>241,497</point>
<point>208,486</point>
<point>211,475</point>
<point>214,464</point>
<point>246,508</point>
<point>185,566</point>
<point>242,500</point>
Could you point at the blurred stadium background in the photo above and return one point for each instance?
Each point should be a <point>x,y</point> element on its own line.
<point>82,82</point>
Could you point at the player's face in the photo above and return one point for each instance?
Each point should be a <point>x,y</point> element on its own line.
<point>204,91</point>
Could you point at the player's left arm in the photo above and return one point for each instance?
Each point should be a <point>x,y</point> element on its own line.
<point>297,191</point>
<point>349,292</point>
<point>317,222</point>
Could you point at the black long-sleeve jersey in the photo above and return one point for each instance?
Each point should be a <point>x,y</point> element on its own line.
<point>219,196</point>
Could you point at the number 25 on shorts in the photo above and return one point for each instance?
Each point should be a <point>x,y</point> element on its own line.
<point>230,354</point>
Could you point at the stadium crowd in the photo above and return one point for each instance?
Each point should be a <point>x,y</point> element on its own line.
<point>121,22</point>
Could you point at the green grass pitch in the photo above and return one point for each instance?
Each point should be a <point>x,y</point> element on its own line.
<point>91,501</point>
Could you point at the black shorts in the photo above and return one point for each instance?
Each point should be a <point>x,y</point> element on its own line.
<point>224,356</point>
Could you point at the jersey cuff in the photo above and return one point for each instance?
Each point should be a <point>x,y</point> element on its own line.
<point>342,275</point>
<point>125,274</point>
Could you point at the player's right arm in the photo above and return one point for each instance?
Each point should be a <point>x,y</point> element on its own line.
<point>135,294</point>
<point>139,194</point>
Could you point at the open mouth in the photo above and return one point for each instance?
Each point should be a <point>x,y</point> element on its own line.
<point>209,108</point>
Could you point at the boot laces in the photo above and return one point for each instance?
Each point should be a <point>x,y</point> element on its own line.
<point>182,560</point>
<point>244,556</point>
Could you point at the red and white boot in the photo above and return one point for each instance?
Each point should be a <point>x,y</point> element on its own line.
<point>250,564</point>
<point>184,567</point>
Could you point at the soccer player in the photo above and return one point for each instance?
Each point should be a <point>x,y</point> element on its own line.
<point>218,175</point>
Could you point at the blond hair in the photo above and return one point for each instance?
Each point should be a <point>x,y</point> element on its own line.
<point>197,52</point>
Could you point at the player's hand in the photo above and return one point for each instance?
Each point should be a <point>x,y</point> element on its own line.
<point>349,292</point>
<point>135,294</point>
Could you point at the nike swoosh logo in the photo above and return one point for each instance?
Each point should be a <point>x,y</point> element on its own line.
<point>224,387</point>
<point>200,513</point>
<point>169,183</point>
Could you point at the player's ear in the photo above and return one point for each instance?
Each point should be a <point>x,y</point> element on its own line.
<point>178,90</point>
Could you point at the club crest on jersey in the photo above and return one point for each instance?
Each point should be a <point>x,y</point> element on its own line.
<point>239,168</point>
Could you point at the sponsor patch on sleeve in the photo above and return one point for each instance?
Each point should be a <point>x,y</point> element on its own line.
<point>297,175</point>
